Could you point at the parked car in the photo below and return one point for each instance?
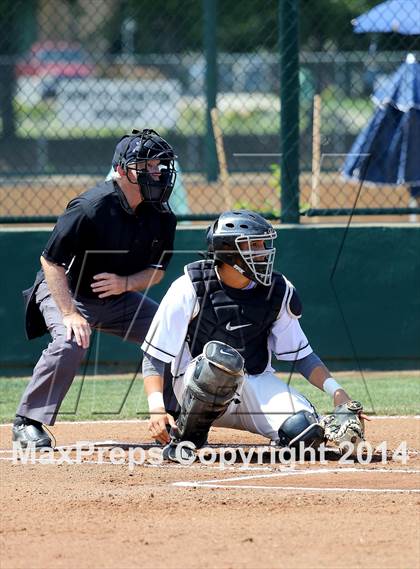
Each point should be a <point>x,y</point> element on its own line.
<point>55,59</point>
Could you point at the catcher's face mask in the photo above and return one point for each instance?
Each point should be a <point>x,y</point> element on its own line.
<point>244,240</point>
<point>258,252</point>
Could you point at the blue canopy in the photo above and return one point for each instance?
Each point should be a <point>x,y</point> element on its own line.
<point>387,149</point>
<point>402,89</point>
<point>401,16</point>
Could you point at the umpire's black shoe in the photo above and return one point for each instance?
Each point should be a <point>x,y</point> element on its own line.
<point>29,432</point>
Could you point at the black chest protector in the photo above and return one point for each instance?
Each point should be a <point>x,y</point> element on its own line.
<point>240,318</point>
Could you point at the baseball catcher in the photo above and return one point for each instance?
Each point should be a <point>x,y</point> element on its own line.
<point>219,326</point>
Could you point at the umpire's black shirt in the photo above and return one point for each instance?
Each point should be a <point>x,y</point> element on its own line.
<point>99,233</point>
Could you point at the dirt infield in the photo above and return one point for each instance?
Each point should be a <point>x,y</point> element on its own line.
<point>305,515</point>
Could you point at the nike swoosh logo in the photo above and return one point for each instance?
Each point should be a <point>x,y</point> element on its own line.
<point>227,354</point>
<point>230,328</point>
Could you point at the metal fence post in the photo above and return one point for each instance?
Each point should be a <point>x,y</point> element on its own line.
<point>10,32</point>
<point>210,49</point>
<point>289,96</point>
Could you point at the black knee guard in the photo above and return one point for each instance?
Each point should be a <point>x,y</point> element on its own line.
<point>302,427</point>
<point>217,376</point>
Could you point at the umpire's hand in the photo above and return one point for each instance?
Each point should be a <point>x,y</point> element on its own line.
<point>109,284</point>
<point>79,326</point>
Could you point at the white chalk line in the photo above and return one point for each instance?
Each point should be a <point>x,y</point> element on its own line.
<point>104,462</point>
<point>136,421</point>
<point>301,472</point>
<point>311,489</point>
<point>221,482</point>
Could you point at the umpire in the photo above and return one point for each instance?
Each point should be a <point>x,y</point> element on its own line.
<point>110,243</point>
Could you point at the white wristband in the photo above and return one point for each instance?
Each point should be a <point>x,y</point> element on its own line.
<point>155,401</point>
<point>330,386</point>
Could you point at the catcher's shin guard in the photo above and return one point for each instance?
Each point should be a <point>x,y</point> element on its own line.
<point>302,427</point>
<point>217,376</point>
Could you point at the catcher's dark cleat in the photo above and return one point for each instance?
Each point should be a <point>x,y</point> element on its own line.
<point>178,452</point>
<point>29,432</point>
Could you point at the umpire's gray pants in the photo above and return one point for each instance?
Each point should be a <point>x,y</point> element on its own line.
<point>128,316</point>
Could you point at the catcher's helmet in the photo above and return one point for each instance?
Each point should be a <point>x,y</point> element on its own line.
<point>233,238</point>
<point>139,147</point>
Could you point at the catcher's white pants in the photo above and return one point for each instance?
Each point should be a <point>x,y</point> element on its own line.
<point>265,403</point>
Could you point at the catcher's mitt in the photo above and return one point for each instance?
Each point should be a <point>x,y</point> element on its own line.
<point>344,424</point>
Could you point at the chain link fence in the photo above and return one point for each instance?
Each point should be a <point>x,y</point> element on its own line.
<point>75,75</point>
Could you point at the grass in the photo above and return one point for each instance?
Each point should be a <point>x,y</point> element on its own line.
<point>118,397</point>
<point>339,114</point>
<point>95,398</point>
<point>387,394</point>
